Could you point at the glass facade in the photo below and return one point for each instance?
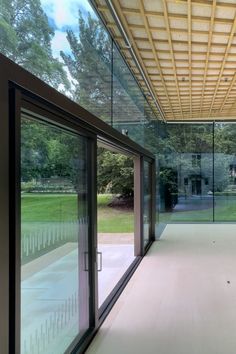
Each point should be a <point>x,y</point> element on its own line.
<point>54,238</point>
<point>128,100</point>
<point>225,172</point>
<point>186,173</point>
<point>197,172</point>
<point>67,46</point>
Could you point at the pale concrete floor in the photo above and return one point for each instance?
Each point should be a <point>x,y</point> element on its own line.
<point>181,299</point>
<point>50,283</point>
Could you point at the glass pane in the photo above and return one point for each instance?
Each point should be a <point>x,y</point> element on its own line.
<point>225,171</point>
<point>65,44</point>
<point>54,238</point>
<point>152,143</point>
<point>147,203</point>
<point>128,100</point>
<point>185,167</point>
<point>115,218</point>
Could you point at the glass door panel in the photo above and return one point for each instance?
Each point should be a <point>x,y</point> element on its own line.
<point>54,237</point>
<point>115,200</point>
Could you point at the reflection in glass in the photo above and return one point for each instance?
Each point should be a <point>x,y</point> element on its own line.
<point>185,168</point>
<point>147,203</point>
<point>89,64</point>
<point>65,44</point>
<point>128,100</point>
<point>115,200</point>
<point>54,244</point>
<point>225,171</point>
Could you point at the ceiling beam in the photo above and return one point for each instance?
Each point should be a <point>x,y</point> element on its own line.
<point>153,49</point>
<point>228,48</point>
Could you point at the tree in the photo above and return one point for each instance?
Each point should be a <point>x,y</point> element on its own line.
<point>47,151</point>
<point>25,38</point>
<point>115,173</point>
<point>90,66</point>
<point>34,150</point>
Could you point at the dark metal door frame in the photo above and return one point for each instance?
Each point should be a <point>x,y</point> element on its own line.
<point>18,89</point>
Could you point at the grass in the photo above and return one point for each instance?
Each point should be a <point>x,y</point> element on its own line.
<point>225,210</point>
<point>112,219</point>
<point>48,207</point>
<point>40,209</point>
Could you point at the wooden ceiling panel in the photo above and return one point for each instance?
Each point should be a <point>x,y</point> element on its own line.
<point>159,36</point>
<point>132,4</point>
<point>143,45</point>
<point>133,19</point>
<point>152,5</point>
<point>140,33</point>
<point>186,48</point>
<point>218,39</point>
<point>156,21</point>
<point>201,37</point>
<point>200,11</point>
<point>223,27</point>
<point>203,26</point>
<point>225,12</point>
<point>175,7</point>
<point>178,23</point>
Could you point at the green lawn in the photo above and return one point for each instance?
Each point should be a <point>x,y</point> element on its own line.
<point>42,209</point>
<point>225,210</point>
<point>187,216</point>
<point>48,207</point>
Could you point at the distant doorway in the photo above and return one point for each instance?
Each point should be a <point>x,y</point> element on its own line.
<point>196,187</point>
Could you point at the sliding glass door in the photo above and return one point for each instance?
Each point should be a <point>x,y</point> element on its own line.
<point>65,285</point>
<point>54,237</point>
<point>115,200</point>
<point>72,225</point>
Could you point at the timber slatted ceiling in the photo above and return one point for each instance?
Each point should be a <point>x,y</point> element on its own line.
<point>187,48</point>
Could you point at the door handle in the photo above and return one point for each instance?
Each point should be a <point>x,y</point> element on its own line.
<point>99,268</point>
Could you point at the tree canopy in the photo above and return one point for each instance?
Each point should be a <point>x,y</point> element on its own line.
<point>89,64</point>
<point>115,173</point>
<point>25,38</point>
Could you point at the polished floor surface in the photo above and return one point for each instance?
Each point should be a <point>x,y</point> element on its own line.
<point>181,299</point>
<point>49,292</point>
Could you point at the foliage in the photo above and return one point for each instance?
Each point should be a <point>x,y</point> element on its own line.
<point>48,152</point>
<point>89,65</point>
<point>177,143</point>
<point>115,173</point>
<point>25,38</point>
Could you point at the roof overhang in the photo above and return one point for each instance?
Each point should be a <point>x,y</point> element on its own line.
<point>183,53</point>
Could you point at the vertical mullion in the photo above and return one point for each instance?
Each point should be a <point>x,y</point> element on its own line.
<point>92,183</point>
<point>213,169</point>
<point>153,199</point>
<point>138,206</point>
<point>5,212</point>
<point>15,222</point>
<point>112,86</point>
